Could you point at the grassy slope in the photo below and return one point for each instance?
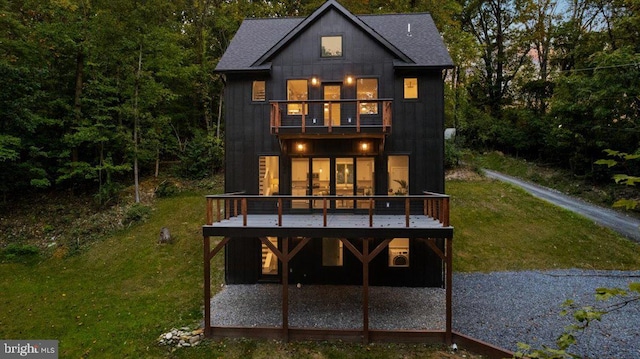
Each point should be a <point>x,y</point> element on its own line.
<point>500,227</point>
<point>114,299</point>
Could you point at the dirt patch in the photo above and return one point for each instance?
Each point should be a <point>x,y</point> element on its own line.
<point>462,173</point>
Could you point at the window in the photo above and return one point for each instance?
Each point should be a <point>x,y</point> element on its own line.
<point>259,91</point>
<point>367,89</point>
<point>269,176</point>
<point>331,252</point>
<point>398,167</point>
<point>297,90</point>
<point>269,259</point>
<point>399,252</point>
<point>411,88</point>
<point>331,46</point>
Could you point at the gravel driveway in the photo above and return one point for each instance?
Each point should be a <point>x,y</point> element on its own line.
<point>501,308</point>
<point>504,308</point>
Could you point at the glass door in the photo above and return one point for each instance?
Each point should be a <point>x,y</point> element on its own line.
<point>320,171</point>
<point>364,179</point>
<point>332,109</point>
<point>299,181</point>
<point>344,181</point>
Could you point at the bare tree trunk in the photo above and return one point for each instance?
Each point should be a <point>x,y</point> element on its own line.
<point>219,114</point>
<point>157,161</point>
<point>136,123</point>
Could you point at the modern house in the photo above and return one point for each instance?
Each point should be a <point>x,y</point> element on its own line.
<point>334,169</point>
<point>334,139</point>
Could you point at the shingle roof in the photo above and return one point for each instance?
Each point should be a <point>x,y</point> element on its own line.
<point>422,45</point>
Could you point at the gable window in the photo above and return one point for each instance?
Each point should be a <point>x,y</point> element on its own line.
<point>259,91</point>
<point>411,88</point>
<point>367,89</point>
<point>331,46</point>
<point>297,90</point>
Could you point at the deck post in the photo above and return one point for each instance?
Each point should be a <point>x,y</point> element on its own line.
<point>365,291</point>
<point>448,243</point>
<point>207,286</point>
<point>285,290</point>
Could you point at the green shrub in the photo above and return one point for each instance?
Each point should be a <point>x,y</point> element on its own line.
<point>203,157</point>
<point>16,251</point>
<point>166,189</point>
<point>136,213</point>
<point>451,154</point>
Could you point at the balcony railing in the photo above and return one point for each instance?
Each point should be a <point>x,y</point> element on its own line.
<point>317,116</point>
<point>430,205</point>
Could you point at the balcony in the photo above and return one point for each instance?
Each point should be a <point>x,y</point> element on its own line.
<point>337,118</point>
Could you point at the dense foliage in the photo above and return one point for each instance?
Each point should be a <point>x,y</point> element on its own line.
<point>96,93</point>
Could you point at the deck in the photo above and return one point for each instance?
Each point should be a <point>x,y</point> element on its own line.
<point>423,216</point>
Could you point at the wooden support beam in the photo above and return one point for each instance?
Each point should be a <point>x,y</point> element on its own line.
<point>365,291</point>
<point>218,247</point>
<point>431,242</point>
<point>285,290</point>
<point>298,247</point>
<point>353,249</point>
<point>273,248</point>
<point>207,286</point>
<point>448,244</point>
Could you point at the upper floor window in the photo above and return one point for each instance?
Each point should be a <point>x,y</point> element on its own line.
<point>259,91</point>
<point>331,46</point>
<point>297,90</point>
<point>411,88</point>
<point>367,89</point>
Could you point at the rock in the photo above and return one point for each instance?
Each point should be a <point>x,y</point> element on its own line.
<point>169,336</point>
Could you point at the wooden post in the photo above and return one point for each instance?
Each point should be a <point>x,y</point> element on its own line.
<point>365,291</point>
<point>209,211</point>
<point>207,286</point>
<point>280,212</point>
<point>244,212</point>
<point>448,243</point>
<point>407,211</point>
<point>370,212</point>
<point>445,212</point>
<point>285,290</point>
<point>324,211</point>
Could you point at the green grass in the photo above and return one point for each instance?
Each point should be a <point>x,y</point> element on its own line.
<point>500,227</point>
<point>114,298</point>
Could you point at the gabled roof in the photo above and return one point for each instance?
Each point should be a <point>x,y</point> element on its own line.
<point>412,38</point>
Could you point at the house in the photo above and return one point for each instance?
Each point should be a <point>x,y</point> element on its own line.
<point>334,155</point>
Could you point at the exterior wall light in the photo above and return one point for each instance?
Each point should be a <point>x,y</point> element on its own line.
<point>300,147</point>
<point>314,81</point>
<point>349,80</point>
<point>364,146</point>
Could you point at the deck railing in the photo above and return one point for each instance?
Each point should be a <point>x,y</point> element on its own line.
<point>355,115</point>
<point>433,205</point>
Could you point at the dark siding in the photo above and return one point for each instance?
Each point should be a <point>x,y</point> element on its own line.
<point>418,127</point>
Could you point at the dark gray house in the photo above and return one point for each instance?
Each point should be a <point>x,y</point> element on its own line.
<point>337,115</point>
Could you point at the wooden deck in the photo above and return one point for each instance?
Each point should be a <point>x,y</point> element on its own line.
<point>424,216</point>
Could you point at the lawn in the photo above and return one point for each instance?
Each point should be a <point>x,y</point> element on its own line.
<point>114,298</point>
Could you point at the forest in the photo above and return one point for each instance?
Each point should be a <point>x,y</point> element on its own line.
<point>97,94</point>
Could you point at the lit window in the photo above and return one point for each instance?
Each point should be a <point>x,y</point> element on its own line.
<point>259,91</point>
<point>297,90</point>
<point>331,252</point>
<point>331,46</point>
<point>269,175</point>
<point>367,89</point>
<point>398,167</point>
<point>399,252</point>
<point>411,88</point>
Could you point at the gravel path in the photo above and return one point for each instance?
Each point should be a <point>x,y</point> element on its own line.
<point>606,217</point>
<point>501,308</point>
